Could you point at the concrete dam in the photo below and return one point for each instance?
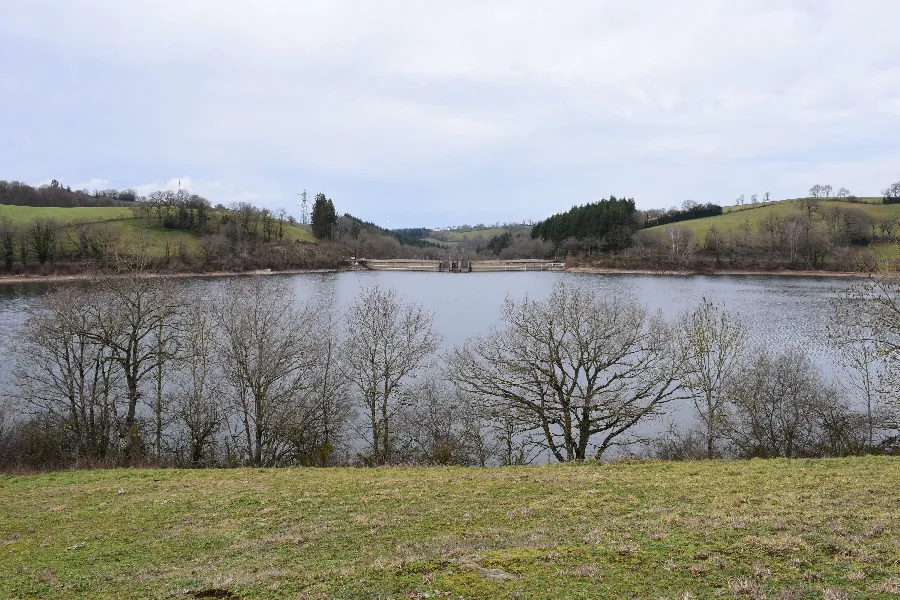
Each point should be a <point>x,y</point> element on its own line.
<point>458,266</point>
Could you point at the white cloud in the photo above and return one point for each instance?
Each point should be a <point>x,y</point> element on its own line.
<point>94,183</point>
<point>405,110</point>
<point>215,191</point>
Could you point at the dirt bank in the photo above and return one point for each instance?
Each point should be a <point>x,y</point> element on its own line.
<point>786,272</point>
<point>30,278</point>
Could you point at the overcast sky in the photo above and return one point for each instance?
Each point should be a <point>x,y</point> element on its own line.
<point>436,113</point>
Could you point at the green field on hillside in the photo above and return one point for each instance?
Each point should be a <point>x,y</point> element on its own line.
<point>130,230</point>
<point>738,208</point>
<point>477,234</point>
<point>745,529</point>
<point>441,242</point>
<point>454,238</point>
<point>22,214</point>
<point>737,216</point>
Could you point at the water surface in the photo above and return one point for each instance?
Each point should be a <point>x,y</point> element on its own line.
<point>779,310</point>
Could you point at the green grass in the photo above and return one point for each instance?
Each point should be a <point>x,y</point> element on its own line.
<point>298,233</point>
<point>441,242</point>
<point>735,217</point>
<point>24,214</point>
<point>754,214</point>
<point>130,229</point>
<point>628,530</point>
<point>469,236</point>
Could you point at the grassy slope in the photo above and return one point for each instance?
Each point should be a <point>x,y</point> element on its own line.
<point>735,216</point>
<point>130,228</point>
<point>464,236</point>
<point>23,214</point>
<point>642,530</point>
<point>453,238</point>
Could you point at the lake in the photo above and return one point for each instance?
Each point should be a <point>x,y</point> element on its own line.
<point>779,310</point>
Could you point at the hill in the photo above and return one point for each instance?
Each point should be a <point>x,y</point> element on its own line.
<point>754,529</point>
<point>129,229</point>
<point>733,217</point>
<point>475,236</point>
<point>738,217</point>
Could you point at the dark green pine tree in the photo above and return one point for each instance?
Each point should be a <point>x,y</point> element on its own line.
<point>324,218</point>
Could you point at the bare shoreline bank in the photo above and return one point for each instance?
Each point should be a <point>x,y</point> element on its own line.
<point>780,272</point>
<point>13,279</point>
<point>10,279</point>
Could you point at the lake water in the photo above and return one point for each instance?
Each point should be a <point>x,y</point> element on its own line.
<point>779,310</point>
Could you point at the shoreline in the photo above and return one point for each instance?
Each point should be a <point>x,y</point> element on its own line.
<point>9,279</point>
<point>31,278</point>
<point>690,272</point>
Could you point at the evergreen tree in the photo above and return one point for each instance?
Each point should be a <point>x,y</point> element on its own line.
<point>610,222</point>
<point>324,218</point>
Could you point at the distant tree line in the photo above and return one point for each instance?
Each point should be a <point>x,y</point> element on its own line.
<point>55,194</point>
<point>179,210</point>
<point>689,210</point>
<point>135,370</point>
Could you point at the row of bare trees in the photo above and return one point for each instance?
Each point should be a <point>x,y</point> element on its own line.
<point>137,369</point>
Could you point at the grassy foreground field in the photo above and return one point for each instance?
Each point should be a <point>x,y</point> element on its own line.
<point>775,529</point>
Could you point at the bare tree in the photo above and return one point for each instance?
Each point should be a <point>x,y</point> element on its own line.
<point>766,196</point>
<point>682,244</point>
<point>197,405</point>
<point>842,193</point>
<point>793,234</point>
<point>826,190</point>
<point>387,343</point>
<point>715,242</point>
<point>834,217</point>
<point>772,227</point>
<point>780,407</point>
<point>867,328</point>
<point>808,206</point>
<point>715,342</point>
<point>579,371</point>
<point>267,355</point>
<point>435,426</point>
<point>891,193</point>
<point>64,374</point>
<point>167,340</point>
<point>816,191</point>
<point>753,199</point>
<point>887,226</point>
<point>329,386</point>
<point>131,310</point>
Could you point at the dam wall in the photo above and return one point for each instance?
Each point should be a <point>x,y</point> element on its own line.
<point>401,264</point>
<point>459,266</point>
